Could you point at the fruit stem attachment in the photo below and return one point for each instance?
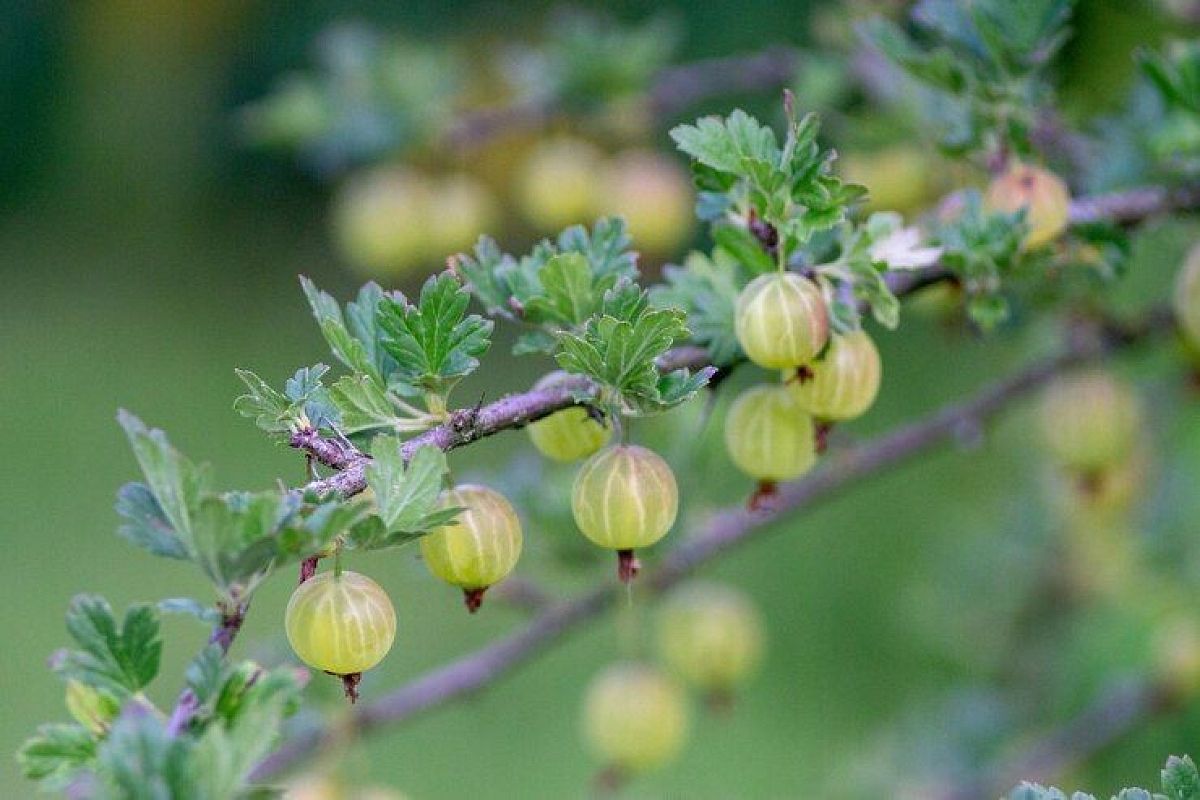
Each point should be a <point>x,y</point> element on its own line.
<point>350,686</point>
<point>610,780</point>
<point>760,500</point>
<point>308,568</point>
<point>821,433</point>
<point>337,562</point>
<point>628,565</point>
<point>473,598</point>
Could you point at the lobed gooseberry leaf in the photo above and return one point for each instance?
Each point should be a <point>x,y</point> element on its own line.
<point>406,495</point>
<point>304,401</point>
<point>119,659</point>
<point>434,342</point>
<point>55,753</point>
<point>1180,779</point>
<point>707,289</point>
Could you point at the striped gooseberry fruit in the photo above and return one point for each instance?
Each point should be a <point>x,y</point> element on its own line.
<point>843,383</point>
<point>711,636</point>
<point>1089,421</point>
<point>635,718</point>
<point>1042,194</point>
<point>340,622</point>
<point>1186,299</point>
<point>480,548</point>
<point>769,435</point>
<point>625,497</point>
<point>780,320</point>
<point>570,434</point>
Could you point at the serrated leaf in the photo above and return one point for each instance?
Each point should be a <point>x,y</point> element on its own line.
<point>138,760</point>
<point>405,494</point>
<point>435,342</point>
<point>175,482</point>
<point>363,405</point>
<point>727,145</point>
<point>347,348</point>
<point>570,294</point>
<point>206,673</point>
<point>190,606</point>
<point>1180,779</point>
<point>707,289</point>
<point>145,523</point>
<point>55,753</point>
<point>122,660</point>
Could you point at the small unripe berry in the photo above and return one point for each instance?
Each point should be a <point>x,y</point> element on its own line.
<point>710,635</point>
<point>1187,297</point>
<point>558,184</point>
<point>570,434</point>
<point>654,195</point>
<point>1042,194</point>
<point>634,718</point>
<point>625,497</point>
<point>844,382</point>
<point>381,221</point>
<point>781,321</point>
<point>768,435</point>
<point>480,548</point>
<point>1090,420</point>
<point>340,623</point>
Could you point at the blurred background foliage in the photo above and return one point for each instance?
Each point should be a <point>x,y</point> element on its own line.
<point>146,248</point>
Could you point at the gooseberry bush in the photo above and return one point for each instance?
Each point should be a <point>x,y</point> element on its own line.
<point>791,285</point>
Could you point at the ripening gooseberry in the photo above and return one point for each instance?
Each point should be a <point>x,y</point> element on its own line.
<point>1042,194</point>
<point>654,195</point>
<point>769,435</point>
<point>480,547</point>
<point>781,321</point>
<point>1186,299</point>
<point>557,185</point>
<point>381,220</point>
<point>342,623</point>
<point>634,718</point>
<point>625,497</point>
<point>710,635</point>
<point>843,383</point>
<point>570,434</point>
<point>1090,420</point>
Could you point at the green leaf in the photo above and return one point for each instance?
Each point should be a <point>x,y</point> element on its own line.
<point>175,482</point>
<point>728,145</point>
<point>190,606</point>
<point>363,405</point>
<point>347,348</point>
<point>743,246</point>
<point>204,676</point>
<point>434,342</point>
<point>405,494</point>
<point>55,753</point>
<point>707,289</point>
<point>570,292</point>
<point>139,760</point>
<point>1180,779</point>
<point>618,347</point>
<point>121,660</point>
<point>304,401</point>
<point>145,524</point>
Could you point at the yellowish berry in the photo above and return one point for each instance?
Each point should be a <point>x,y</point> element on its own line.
<point>844,382</point>
<point>710,635</point>
<point>1186,299</point>
<point>382,221</point>
<point>1090,420</point>
<point>781,321</point>
<point>570,434</point>
<point>481,547</point>
<point>635,718</point>
<point>768,435</point>
<point>625,497</point>
<point>558,184</point>
<point>654,195</point>
<point>340,623</point>
<point>1043,195</point>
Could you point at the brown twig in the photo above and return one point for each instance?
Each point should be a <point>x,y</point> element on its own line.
<point>725,530</point>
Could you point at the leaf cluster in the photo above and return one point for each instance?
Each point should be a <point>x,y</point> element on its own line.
<point>122,746</point>
<point>983,64</point>
<point>1180,781</point>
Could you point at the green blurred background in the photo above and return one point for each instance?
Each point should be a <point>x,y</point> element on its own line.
<point>144,253</point>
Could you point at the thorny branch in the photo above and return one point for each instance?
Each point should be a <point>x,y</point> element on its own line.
<point>725,530</point>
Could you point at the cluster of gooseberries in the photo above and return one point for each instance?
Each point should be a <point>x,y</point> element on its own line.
<point>636,715</point>
<point>773,432</point>
<point>624,498</point>
<point>391,219</point>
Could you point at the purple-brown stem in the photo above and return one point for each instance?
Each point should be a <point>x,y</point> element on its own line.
<point>628,565</point>
<point>350,686</point>
<point>227,629</point>
<point>308,568</point>
<point>821,431</point>
<point>764,493</point>
<point>473,598</point>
